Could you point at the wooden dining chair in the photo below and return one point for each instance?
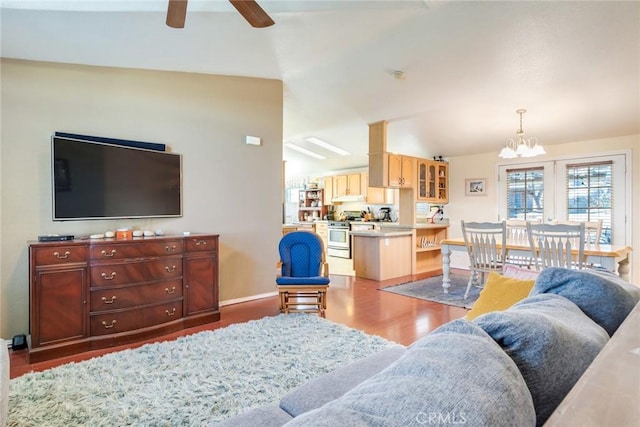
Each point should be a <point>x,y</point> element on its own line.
<point>486,244</point>
<point>592,230</point>
<point>517,234</point>
<point>557,245</point>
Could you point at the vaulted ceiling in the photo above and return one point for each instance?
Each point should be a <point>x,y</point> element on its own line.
<point>468,65</point>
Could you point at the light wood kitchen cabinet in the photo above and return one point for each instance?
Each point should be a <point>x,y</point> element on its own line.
<point>347,185</point>
<point>322,230</point>
<point>401,171</point>
<point>391,170</point>
<point>381,196</point>
<point>433,181</point>
<point>327,187</point>
<point>428,253</point>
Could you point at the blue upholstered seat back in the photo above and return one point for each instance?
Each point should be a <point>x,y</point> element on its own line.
<point>301,254</point>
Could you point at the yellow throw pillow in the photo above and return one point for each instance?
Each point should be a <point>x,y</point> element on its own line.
<point>499,293</point>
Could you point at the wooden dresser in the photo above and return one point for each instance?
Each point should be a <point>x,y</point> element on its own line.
<point>89,294</point>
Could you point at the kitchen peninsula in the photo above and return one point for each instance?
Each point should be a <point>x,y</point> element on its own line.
<point>394,250</point>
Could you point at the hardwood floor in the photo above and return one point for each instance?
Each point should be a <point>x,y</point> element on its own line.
<point>354,302</point>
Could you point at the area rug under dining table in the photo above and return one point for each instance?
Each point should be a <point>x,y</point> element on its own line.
<point>430,289</point>
<point>192,381</point>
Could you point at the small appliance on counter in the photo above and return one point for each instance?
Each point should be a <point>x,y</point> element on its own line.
<point>385,215</point>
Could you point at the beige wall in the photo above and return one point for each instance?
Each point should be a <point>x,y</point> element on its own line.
<point>230,188</point>
<point>486,208</point>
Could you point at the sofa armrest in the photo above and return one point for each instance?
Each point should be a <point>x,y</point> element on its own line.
<point>609,391</point>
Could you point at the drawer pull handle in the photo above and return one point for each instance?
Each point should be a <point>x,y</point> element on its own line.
<point>109,301</point>
<point>200,242</point>
<point>171,248</point>
<point>65,256</point>
<point>107,326</point>
<point>170,291</point>
<point>110,254</point>
<point>171,313</point>
<point>170,269</point>
<point>108,277</point>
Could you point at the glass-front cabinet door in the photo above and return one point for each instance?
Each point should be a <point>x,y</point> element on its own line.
<point>433,183</point>
<point>422,180</point>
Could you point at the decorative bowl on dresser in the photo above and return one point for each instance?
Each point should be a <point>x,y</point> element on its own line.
<point>90,294</point>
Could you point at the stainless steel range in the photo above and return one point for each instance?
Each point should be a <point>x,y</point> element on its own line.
<point>339,240</point>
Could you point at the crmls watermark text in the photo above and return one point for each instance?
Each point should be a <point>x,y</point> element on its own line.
<point>439,418</point>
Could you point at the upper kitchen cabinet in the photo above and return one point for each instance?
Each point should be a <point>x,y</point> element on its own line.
<point>347,185</point>
<point>433,181</point>
<point>377,195</point>
<point>381,196</point>
<point>401,171</point>
<point>388,169</point>
<point>391,170</point>
<point>327,184</point>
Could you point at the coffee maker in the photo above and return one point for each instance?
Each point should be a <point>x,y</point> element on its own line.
<point>385,215</point>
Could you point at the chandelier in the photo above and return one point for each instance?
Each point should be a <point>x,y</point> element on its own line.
<point>521,146</point>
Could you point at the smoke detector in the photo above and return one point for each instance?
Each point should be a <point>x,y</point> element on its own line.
<point>399,75</point>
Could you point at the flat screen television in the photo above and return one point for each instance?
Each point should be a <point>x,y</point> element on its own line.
<point>95,180</point>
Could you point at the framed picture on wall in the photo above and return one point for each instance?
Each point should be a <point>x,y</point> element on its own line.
<point>475,187</point>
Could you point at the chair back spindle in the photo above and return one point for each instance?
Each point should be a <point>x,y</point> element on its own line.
<point>557,245</point>
<point>486,244</point>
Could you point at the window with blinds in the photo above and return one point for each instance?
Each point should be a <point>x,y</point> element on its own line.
<point>590,195</point>
<point>525,193</point>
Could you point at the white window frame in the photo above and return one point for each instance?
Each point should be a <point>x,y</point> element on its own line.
<point>555,191</point>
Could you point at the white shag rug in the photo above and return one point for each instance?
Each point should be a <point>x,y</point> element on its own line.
<point>192,381</point>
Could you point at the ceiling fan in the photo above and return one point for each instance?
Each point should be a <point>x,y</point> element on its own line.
<point>249,9</point>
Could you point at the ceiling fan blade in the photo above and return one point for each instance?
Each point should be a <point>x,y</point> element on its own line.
<point>253,13</point>
<point>176,13</point>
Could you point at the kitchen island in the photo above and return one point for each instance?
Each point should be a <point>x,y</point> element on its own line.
<point>394,250</point>
<point>382,255</point>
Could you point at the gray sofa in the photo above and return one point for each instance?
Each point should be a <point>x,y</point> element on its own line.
<point>506,368</point>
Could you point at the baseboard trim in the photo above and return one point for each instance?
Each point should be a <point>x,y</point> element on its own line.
<point>246,299</point>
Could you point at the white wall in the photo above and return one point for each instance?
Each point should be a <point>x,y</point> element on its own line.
<point>230,188</point>
<point>485,208</point>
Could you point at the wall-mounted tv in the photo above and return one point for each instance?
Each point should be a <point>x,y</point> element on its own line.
<point>96,180</point>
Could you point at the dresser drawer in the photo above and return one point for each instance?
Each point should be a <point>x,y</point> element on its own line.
<point>112,299</point>
<point>135,318</point>
<point>60,255</point>
<point>136,272</point>
<point>113,250</point>
<point>201,244</point>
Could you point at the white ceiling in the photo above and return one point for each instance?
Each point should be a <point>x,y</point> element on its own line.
<point>575,66</point>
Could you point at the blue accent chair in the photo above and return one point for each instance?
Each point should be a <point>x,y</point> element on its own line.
<point>304,273</point>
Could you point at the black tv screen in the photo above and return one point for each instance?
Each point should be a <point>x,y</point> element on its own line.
<point>93,180</point>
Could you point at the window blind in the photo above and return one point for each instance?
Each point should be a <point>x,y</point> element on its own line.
<point>589,189</point>
<point>525,193</point>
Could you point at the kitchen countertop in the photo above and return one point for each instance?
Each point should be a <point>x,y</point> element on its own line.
<point>413,226</point>
<point>377,223</point>
<point>381,234</point>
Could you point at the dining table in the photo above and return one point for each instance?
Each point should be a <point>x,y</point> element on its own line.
<point>614,258</point>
